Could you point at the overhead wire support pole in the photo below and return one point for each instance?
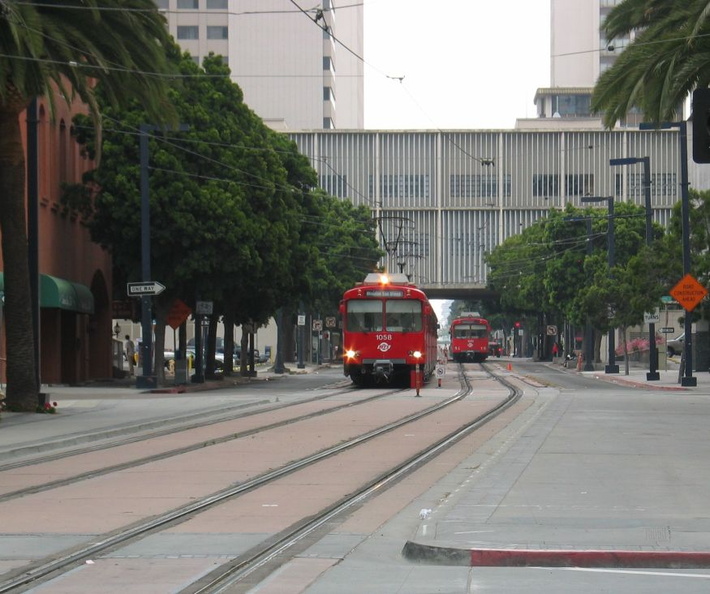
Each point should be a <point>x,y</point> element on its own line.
<point>146,379</point>
<point>688,379</point>
<point>611,366</point>
<point>652,374</point>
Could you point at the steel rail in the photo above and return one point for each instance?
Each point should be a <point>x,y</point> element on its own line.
<point>224,578</point>
<point>200,445</point>
<point>61,562</point>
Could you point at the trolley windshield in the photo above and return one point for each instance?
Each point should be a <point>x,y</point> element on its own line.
<point>470,331</point>
<point>376,315</point>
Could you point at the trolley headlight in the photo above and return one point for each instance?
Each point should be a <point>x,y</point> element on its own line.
<point>417,354</point>
<point>350,354</point>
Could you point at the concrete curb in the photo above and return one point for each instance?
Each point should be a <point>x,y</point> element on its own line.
<point>435,555</point>
<point>645,385</point>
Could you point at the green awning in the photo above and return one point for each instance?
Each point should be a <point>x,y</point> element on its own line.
<point>62,294</point>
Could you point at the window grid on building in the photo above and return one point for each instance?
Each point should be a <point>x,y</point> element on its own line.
<point>425,178</point>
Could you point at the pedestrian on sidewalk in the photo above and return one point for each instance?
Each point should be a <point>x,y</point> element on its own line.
<point>130,351</point>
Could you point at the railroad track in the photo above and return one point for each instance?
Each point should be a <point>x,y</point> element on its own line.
<point>197,445</point>
<point>274,547</point>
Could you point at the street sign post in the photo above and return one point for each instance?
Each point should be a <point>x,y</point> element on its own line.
<point>145,289</point>
<point>204,308</point>
<point>651,317</point>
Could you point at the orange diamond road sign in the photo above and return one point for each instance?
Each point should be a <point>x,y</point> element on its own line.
<point>688,292</point>
<point>177,315</point>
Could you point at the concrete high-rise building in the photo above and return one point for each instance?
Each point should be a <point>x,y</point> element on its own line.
<point>579,54</point>
<point>298,69</point>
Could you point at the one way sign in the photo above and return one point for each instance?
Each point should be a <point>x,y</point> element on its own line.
<point>149,288</point>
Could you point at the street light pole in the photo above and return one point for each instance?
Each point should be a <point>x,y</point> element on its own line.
<point>652,374</point>
<point>688,379</point>
<point>611,366</point>
<point>145,380</point>
<point>588,334</point>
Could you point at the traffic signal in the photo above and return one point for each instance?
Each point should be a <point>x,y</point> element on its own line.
<point>517,324</point>
<point>701,125</point>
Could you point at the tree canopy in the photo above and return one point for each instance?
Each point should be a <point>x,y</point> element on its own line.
<point>558,267</point>
<point>234,215</point>
<point>668,57</point>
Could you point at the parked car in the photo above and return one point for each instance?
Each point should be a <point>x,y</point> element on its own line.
<point>675,345</point>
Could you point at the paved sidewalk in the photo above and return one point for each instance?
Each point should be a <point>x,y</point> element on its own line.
<point>669,377</point>
<point>608,478</point>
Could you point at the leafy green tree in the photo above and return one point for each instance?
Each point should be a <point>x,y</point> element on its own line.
<point>516,268</point>
<point>547,269</point>
<point>117,46</point>
<point>234,218</point>
<point>220,205</point>
<point>668,58</point>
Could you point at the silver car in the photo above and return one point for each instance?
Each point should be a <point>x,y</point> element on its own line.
<point>675,345</point>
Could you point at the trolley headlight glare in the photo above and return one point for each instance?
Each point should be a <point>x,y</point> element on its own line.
<point>417,354</point>
<point>350,354</point>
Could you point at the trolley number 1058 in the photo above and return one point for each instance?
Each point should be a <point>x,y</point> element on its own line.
<point>383,336</point>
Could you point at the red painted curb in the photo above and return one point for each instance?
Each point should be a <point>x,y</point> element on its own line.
<point>551,558</point>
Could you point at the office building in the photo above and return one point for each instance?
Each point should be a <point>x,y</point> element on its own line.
<point>298,69</point>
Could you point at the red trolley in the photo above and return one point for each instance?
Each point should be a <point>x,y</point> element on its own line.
<point>469,338</point>
<point>389,332</point>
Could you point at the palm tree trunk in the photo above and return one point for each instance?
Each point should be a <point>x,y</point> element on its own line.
<point>22,389</point>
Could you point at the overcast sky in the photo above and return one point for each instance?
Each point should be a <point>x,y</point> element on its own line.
<point>467,64</point>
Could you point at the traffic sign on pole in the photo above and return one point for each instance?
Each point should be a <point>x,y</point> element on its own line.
<point>144,289</point>
<point>689,292</point>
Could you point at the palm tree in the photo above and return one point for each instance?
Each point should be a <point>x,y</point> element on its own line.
<point>669,57</point>
<point>55,48</point>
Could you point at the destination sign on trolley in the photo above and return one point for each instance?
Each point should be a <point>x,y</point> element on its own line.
<point>383,293</point>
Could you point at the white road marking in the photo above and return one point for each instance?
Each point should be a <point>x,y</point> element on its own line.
<point>701,576</point>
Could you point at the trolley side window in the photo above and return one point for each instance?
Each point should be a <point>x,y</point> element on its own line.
<point>470,331</point>
<point>403,315</point>
<point>364,316</point>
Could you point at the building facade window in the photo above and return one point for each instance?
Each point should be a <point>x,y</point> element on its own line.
<point>403,186</point>
<point>188,4</point>
<point>328,124</point>
<point>216,4</point>
<point>477,186</point>
<point>662,184</point>
<point>579,184</point>
<point>188,32</point>
<point>327,63</point>
<point>162,4</point>
<point>328,94</point>
<point>545,185</point>
<point>217,32</point>
<point>335,185</point>
<point>572,105</point>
